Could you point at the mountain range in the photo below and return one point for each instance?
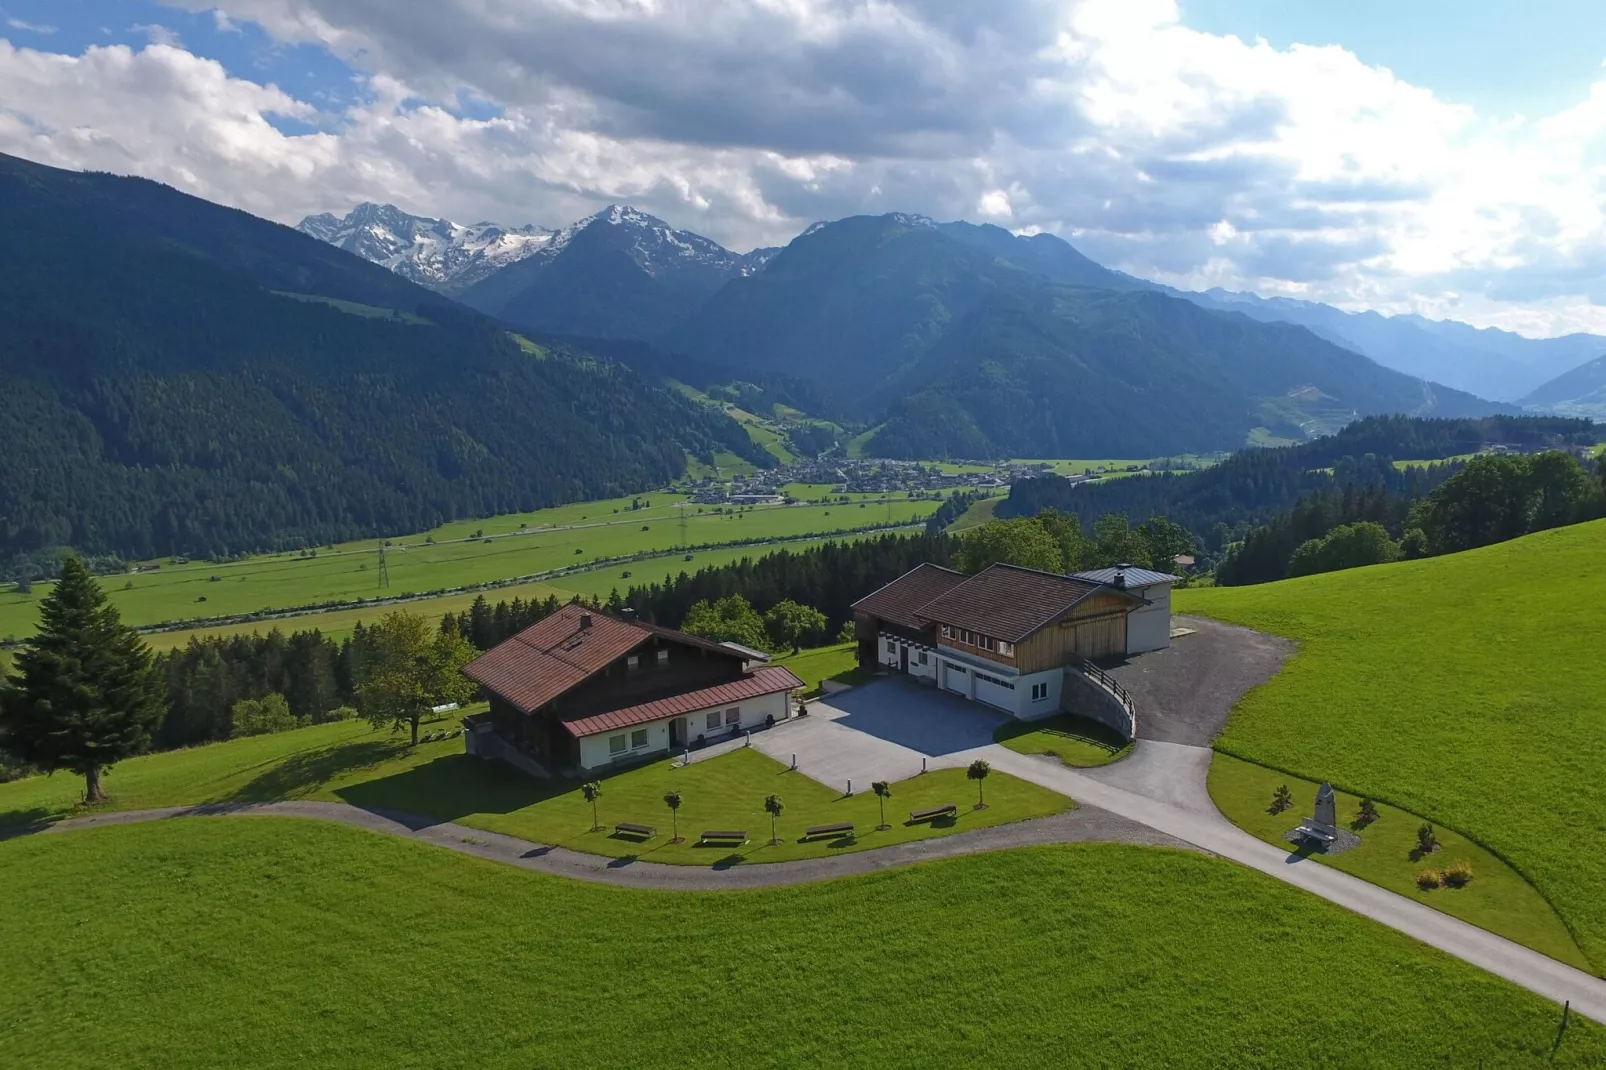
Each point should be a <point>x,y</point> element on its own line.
<point>624,274</point>
<point>180,377</point>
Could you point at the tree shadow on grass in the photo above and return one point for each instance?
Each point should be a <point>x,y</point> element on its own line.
<point>452,787</point>
<point>302,774</point>
<point>23,822</point>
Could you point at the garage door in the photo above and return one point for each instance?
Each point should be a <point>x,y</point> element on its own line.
<point>995,692</point>
<point>956,679</point>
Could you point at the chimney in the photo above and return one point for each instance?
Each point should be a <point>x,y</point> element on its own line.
<point>585,621</point>
<point>1120,574</point>
<point>626,613</point>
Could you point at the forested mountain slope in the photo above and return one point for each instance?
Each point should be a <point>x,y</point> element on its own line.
<point>160,394</point>
<point>972,342</point>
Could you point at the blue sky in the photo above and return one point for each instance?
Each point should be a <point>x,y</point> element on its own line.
<point>1442,158</point>
<point>1503,56</point>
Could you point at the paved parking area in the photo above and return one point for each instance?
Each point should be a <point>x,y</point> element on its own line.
<point>888,729</point>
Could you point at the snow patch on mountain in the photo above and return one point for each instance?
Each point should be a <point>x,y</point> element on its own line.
<point>437,253</point>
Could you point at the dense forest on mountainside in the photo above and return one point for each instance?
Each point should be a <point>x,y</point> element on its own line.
<point>1252,486</point>
<point>161,395</point>
<point>970,342</point>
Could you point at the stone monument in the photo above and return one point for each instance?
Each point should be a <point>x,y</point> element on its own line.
<point>1323,826</point>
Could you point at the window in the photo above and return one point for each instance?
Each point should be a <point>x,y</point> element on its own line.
<point>616,744</point>
<point>733,716</point>
<point>922,657</point>
<point>638,738</point>
<point>947,631</point>
<point>713,720</point>
<point>1006,649</point>
<point>1039,692</point>
<point>965,636</point>
<point>985,642</point>
<point>632,663</point>
<point>892,648</point>
<point>663,657</point>
<point>1005,684</point>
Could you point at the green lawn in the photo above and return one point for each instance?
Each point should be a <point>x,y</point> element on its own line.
<point>979,513</point>
<point>1073,740</point>
<point>1469,689</point>
<point>274,942</point>
<point>456,557</point>
<point>352,763</point>
<point>1498,899</point>
<point>840,663</point>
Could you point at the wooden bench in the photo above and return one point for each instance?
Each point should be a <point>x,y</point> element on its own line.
<point>845,828</point>
<point>945,810</point>
<point>646,832</point>
<point>722,837</point>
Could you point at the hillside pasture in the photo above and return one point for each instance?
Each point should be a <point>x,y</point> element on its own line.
<point>197,589</point>
<point>1469,689</point>
<point>268,941</point>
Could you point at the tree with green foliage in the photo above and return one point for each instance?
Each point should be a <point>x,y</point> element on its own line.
<point>411,669</point>
<point>1282,799</point>
<point>1500,497</point>
<point>1117,543</point>
<point>1366,814</point>
<point>259,716</point>
<point>671,800</point>
<point>883,792</point>
<point>788,622</point>
<point>731,619</point>
<point>978,771</point>
<point>1346,546</point>
<point>1021,541</point>
<point>82,694</point>
<point>847,634</point>
<point>1076,549</point>
<point>774,807</point>
<point>1164,541</point>
<point>592,790</point>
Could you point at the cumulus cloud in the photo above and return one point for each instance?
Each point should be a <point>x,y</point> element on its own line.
<point>1193,158</point>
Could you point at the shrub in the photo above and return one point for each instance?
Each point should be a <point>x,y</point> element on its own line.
<point>1281,799</point>
<point>1428,879</point>
<point>341,713</point>
<point>1427,841</point>
<point>1367,815</point>
<point>1457,875</point>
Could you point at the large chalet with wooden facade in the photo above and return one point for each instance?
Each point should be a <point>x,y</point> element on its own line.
<point>581,691</point>
<point>1006,635</point>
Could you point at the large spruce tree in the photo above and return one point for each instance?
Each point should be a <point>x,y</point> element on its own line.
<point>82,695</point>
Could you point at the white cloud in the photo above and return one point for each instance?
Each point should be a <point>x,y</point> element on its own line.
<point>30,27</point>
<point>157,34</point>
<point>1193,158</point>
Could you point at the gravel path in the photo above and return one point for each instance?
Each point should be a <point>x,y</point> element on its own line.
<point>1185,692</point>
<point>1087,824</point>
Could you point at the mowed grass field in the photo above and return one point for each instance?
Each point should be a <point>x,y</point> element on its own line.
<point>598,582</point>
<point>199,589</point>
<point>352,763</point>
<point>275,942</point>
<point>1470,689</point>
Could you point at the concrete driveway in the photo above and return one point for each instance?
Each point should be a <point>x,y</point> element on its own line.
<point>888,729</point>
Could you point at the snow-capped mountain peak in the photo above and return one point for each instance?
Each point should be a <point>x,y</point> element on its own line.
<point>433,252</point>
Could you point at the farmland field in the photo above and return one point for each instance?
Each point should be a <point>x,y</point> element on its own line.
<point>1469,689</point>
<point>456,557</point>
<point>271,941</point>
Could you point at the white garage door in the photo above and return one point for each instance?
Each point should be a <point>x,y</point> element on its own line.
<point>957,681</point>
<point>995,692</point>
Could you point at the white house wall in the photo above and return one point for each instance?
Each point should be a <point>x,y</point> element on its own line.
<point>596,753</point>
<point>922,658</point>
<point>1149,627</point>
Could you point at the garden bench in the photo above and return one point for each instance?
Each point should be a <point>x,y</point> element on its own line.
<point>722,837</point>
<point>841,829</point>
<point>945,810</point>
<point>646,832</point>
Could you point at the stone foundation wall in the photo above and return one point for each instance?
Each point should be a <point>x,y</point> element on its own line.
<point>1086,698</point>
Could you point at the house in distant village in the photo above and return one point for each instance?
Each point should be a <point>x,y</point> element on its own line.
<point>582,690</point>
<point>1006,635</point>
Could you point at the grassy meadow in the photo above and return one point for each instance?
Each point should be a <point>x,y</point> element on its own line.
<point>278,942</point>
<point>1076,741</point>
<point>566,537</point>
<point>1470,689</point>
<point>351,762</point>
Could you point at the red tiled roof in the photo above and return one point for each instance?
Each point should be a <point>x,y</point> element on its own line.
<point>552,655</point>
<point>899,602</point>
<point>1009,602</point>
<point>765,681</point>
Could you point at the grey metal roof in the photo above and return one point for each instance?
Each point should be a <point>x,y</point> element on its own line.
<point>1134,576</point>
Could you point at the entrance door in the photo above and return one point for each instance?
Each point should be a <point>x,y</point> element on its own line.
<point>903,657</point>
<point>677,733</point>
